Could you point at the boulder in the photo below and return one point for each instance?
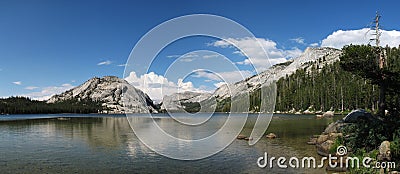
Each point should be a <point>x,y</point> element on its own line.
<point>322,138</point>
<point>384,151</point>
<point>357,115</point>
<point>328,114</point>
<point>271,136</point>
<point>248,138</point>
<point>335,127</point>
<point>308,112</point>
<point>312,141</point>
<point>333,136</point>
<point>323,148</point>
<point>241,137</point>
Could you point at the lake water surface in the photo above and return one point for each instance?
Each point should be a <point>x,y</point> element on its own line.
<point>106,144</point>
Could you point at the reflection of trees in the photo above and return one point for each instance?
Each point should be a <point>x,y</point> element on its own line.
<point>109,132</point>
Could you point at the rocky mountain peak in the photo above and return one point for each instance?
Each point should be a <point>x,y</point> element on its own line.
<point>177,101</point>
<point>319,55</point>
<point>109,90</point>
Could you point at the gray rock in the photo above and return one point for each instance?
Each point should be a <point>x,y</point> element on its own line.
<point>328,114</point>
<point>116,94</point>
<point>176,101</point>
<point>271,136</point>
<point>335,127</point>
<point>384,151</point>
<point>304,61</point>
<point>357,115</point>
<point>323,148</point>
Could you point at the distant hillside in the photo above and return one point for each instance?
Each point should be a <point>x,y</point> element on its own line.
<point>23,105</point>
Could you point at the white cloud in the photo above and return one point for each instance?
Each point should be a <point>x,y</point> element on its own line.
<point>314,45</point>
<point>31,87</point>
<point>104,63</point>
<point>211,56</point>
<point>340,38</point>
<point>46,92</point>
<point>17,82</point>
<point>298,40</point>
<point>250,46</point>
<point>156,86</point>
<point>173,56</point>
<point>219,84</point>
<point>188,57</point>
<point>122,64</point>
<point>229,77</point>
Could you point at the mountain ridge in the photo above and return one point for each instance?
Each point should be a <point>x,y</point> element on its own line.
<point>109,89</point>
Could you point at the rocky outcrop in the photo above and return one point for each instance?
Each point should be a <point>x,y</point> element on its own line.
<point>116,94</point>
<point>358,115</point>
<point>328,114</point>
<point>179,101</point>
<point>310,56</point>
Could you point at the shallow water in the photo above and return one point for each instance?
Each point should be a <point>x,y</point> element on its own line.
<point>106,144</point>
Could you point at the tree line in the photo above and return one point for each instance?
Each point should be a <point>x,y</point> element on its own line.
<point>24,105</point>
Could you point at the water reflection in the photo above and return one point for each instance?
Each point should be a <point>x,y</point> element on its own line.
<point>108,145</point>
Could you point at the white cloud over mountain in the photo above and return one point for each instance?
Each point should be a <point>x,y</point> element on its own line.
<point>340,38</point>
<point>46,92</point>
<point>251,46</point>
<point>298,40</point>
<point>229,76</point>
<point>156,86</point>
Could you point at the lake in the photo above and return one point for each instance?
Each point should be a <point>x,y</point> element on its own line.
<point>96,143</point>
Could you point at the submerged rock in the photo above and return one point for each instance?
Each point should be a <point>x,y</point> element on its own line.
<point>271,136</point>
<point>241,137</point>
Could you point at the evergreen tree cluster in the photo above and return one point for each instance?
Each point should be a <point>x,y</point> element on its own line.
<point>327,88</point>
<point>24,105</point>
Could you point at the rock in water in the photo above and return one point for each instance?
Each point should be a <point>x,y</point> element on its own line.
<point>241,137</point>
<point>271,136</point>
<point>116,94</point>
<point>328,114</point>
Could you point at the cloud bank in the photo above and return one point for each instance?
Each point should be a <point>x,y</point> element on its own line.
<point>250,46</point>
<point>46,92</point>
<point>340,38</point>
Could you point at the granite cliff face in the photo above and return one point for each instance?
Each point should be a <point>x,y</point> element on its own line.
<point>111,91</point>
<point>321,56</point>
<point>177,101</point>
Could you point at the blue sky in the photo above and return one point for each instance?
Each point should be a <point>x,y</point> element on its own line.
<point>49,46</point>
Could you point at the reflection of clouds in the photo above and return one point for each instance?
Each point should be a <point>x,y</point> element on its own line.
<point>195,141</point>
